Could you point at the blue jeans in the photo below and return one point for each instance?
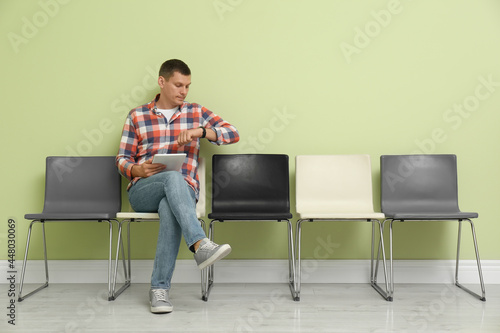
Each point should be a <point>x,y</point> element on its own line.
<point>168,194</point>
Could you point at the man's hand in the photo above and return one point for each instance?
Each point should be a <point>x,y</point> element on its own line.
<point>189,135</point>
<point>147,169</point>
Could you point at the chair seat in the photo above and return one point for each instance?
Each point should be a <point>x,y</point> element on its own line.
<point>135,215</point>
<point>431,216</point>
<point>145,216</point>
<point>339,215</point>
<point>250,216</point>
<point>70,216</point>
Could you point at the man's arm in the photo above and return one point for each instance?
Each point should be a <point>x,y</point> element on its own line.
<point>221,132</point>
<point>189,135</point>
<point>128,148</point>
<point>125,160</point>
<point>147,169</point>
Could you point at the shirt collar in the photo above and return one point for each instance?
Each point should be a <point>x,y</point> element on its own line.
<point>152,105</point>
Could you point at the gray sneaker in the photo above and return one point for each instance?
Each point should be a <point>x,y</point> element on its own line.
<point>209,252</point>
<point>159,301</point>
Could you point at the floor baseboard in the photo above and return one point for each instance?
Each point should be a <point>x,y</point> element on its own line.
<point>259,271</point>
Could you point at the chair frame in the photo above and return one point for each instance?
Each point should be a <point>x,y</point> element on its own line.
<point>43,221</point>
<point>208,277</point>
<point>46,284</point>
<point>127,270</point>
<point>374,265</point>
<point>482,297</point>
<point>392,217</point>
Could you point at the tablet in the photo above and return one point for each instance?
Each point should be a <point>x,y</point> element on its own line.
<point>172,161</point>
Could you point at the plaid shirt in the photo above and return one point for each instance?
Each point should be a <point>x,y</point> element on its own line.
<point>146,132</point>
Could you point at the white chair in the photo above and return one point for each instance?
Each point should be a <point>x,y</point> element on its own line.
<point>128,217</point>
<point>336,188</point>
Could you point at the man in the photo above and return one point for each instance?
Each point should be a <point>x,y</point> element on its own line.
<point>168,124</point>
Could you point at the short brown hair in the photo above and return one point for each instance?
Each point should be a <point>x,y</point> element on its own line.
<point>168,68</point>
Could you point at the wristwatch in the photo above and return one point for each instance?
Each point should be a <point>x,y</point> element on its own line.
<point>204,132</point>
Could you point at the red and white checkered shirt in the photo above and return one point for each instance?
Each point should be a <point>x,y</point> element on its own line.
<point>147,132</point>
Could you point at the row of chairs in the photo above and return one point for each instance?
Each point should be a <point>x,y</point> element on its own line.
<point>255,187</point>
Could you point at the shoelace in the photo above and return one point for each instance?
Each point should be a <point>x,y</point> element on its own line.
<point>160,294</point>
<point>209,246</point>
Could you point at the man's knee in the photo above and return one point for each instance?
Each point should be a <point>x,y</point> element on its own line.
<point>173,182</point>
<point>171,176</point>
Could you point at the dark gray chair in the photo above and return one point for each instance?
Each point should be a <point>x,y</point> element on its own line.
<point>77,189</point>
<point>250,187</point>
<point>424,188</point>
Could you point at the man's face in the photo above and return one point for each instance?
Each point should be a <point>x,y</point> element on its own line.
<point>175,89</point>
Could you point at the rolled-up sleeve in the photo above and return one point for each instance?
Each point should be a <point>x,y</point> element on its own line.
<point>226,133</point>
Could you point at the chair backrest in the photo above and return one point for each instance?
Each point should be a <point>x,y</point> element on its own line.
<point>333,184</point>
<point>250,184</point>
<point>419,183</point>
<point>200,206</point>
<point>82,185</point>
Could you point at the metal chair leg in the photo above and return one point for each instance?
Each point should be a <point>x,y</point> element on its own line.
<point>204,272</point>
<point>298,266</point>
<point>291,262</point>
<point>110,260</point>
<point>208,276</point>
<point>126,268</point>
<point>23,272</point>
<point>478,261</point>
<point>391,264</point>
<point>374,270</point>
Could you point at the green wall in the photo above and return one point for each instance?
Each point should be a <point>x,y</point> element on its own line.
<point>295,77</point>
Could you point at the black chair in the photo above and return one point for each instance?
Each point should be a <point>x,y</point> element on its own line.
<point>77,189</point>
<point>250,187</point>
<point>424,188</point>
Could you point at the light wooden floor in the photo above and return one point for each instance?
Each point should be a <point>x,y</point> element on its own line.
<point>257,308</point>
